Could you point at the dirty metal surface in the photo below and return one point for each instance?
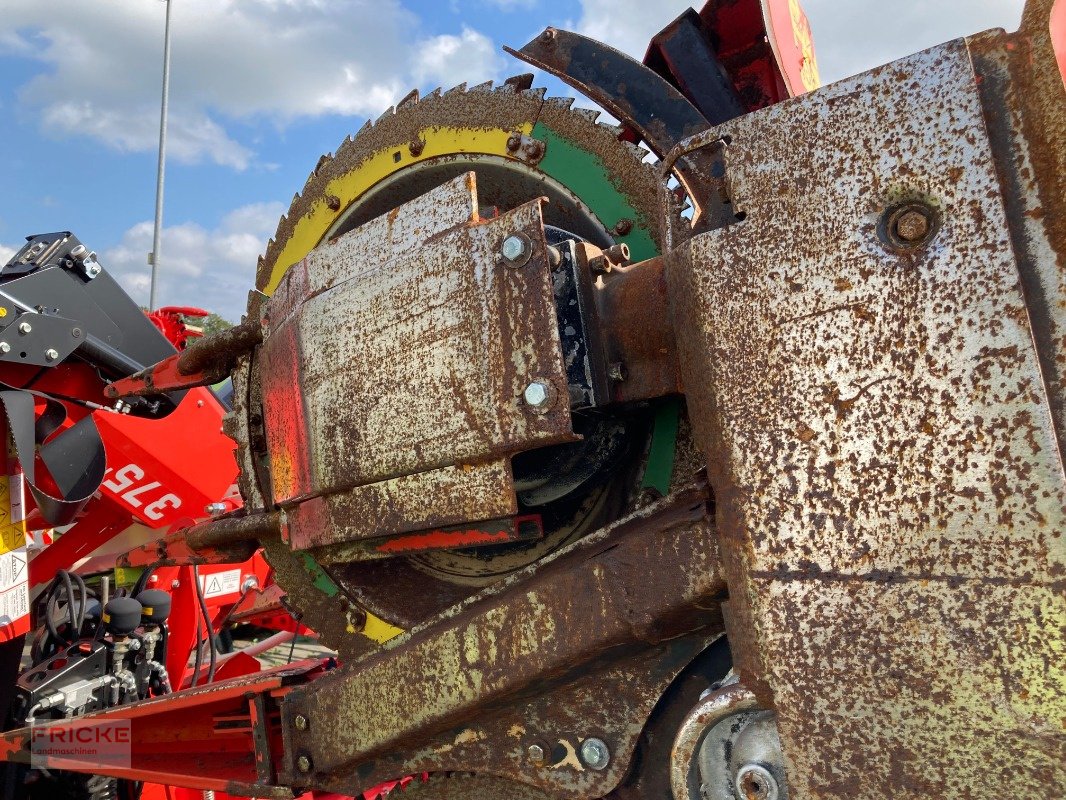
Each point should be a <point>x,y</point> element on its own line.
<point>885,464</point>
<point>460,494</point>
<point>612,704</point>
<point>412,342</point>
<point>539,628</point>
<point>634,312</point>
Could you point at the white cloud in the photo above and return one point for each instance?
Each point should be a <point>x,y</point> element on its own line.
<point>513,5</point>
<point>211,269</point>
<point>7,251</point>
<point>849,37</point>
<point>232,60</point>
<point>627,25</point>
<point>858,35</point>
<point>451,60</point>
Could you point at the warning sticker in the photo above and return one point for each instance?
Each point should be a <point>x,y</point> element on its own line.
<point>220,583</point>
<point>14,576</point>
<point>14,594</point>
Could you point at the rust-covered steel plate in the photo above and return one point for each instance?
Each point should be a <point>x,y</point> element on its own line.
<point>401,350</point>
<point>881,443</point>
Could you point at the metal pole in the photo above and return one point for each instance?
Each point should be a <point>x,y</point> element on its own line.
<point>162,158</point>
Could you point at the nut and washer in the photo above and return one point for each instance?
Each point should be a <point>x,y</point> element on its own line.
<point>539,395</point>
<point>909,226</point>
<point>301,722</point>
<point>755,782</point>
<point>303,763</point>
<point>516,250</point>
<point>912,226</point>
<point>537,754</point>
<point>594,753</point>
<point>51,354</point>
<point>25,327</point>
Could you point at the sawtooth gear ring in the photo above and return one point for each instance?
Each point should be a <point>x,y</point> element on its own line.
<point>570,156</point>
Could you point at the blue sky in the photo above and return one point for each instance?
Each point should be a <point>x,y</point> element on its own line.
<point>260,88</point>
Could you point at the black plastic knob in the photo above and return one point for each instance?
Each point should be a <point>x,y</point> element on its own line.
<point>122,615</point>
<point>155,605</point>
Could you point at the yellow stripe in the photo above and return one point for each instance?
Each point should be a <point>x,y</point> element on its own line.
<point>309,229</point>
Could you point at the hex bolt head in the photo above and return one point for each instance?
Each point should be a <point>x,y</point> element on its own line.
<point>51,354</point>
<point>547,37</point>
<point>537,754</point>
<point>594,753</point>
<point>25,327</point>
<point>623,226</point>
<point>215,509</point>
<point>539,395</point>
<point>514,141</point>
<point>303,763</point>
<point>516,249</point>
<point>5,348</point>
<point>912,225</point>
<point>756,782</point>
<point>301,722</point>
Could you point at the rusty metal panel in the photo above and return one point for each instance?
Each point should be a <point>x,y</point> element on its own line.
<point>638,334</point>
<point>411,341</point>
<point>645,580</point>
<point>889,487</point>
<point>460,494</point>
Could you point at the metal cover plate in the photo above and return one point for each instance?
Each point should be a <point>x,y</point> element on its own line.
<point>889,489</point>
<point>405,345</point>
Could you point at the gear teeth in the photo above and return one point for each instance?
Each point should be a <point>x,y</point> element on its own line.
<point>482,88</point>
<point>408,99</point>
<point>460,89</point>
<point>436,93</point>
<point>322,161</point>
<point>590,114</point>
<point>562,103</point>
<point>611,128</point>
<point>366,126</point>
<point>389,112</point>
<point>638,152</point>
<point>534,94</point>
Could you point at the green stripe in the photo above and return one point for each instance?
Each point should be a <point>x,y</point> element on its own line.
<point>660,466</point>
<point>586,176</point>
<point>322,581</point>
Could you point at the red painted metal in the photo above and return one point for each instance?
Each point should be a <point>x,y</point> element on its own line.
<point>203,739</point>
<point>171,320</point>
<point>789,34</point>
<point>1058,35</point>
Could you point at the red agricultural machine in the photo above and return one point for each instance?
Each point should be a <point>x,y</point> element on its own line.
<point>716,454</point>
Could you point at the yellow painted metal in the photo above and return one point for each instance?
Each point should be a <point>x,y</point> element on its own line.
<point>439,141</point>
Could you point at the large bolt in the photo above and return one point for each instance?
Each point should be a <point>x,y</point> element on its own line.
<point>215,509</point>
<point>5,348</point>
<point>755,782</point>
<point>24,328</point>
<point>516,249</point>
<point>594,753</point>
<point>538,395</point>
<point>547,37</point>
<point>303,763</point>
<point>912,226</point>
<point>537,754</point>
<point>623,226</point>
<point>51,354</point>
<point>301,722</point>
<point>514,141</point>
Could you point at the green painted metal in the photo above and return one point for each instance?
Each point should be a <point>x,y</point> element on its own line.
<point>660,465</point>
<point>586,176</point>
<point>322,581</point>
